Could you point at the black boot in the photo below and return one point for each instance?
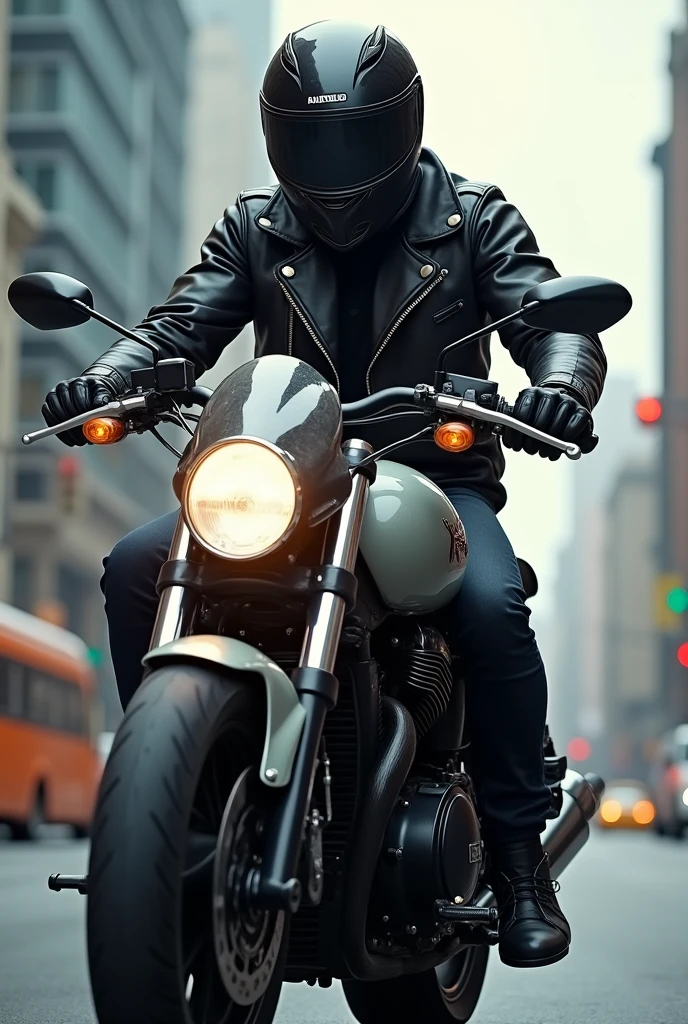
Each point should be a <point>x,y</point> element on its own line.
<point>533,931</point>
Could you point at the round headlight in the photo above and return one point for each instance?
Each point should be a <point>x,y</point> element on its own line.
<point>242,499</point>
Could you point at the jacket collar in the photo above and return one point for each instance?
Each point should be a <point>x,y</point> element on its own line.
<point>435,212</point>
<point>427,218</point>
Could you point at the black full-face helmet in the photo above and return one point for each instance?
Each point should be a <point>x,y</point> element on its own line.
<point>342,113</point>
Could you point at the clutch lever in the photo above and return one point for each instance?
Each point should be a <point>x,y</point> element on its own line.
<point>120,409</point>
<point>450,403</point>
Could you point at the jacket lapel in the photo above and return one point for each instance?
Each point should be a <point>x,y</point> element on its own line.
<point>435,212</point>
<point>312,285</point>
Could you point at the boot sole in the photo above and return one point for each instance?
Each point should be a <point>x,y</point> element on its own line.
<point>542,962</point>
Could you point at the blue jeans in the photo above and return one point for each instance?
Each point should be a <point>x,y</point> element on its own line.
<point>506,688</point>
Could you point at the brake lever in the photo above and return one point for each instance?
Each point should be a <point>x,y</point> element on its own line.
<point>451,403</point>
<point>120,409</point>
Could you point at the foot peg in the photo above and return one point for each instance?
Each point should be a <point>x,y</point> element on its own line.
<point>79,882</point>
<point>466,915</point>
<point>476,926</point>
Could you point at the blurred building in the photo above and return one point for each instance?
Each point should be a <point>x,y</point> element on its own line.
<point>577,671</point>
<point>672,159</point>
<point>231,48</point>
<point>634,715</point>
<point>20,216</point>
<point>97,98</point>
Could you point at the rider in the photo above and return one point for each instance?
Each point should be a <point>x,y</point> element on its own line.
<point>366,260</point>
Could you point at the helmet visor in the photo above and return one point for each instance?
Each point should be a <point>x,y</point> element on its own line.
<point>338,151</point>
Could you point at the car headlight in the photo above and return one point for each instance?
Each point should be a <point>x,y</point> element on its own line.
<point>242,498</point>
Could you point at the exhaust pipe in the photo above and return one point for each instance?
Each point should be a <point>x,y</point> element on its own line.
<point>566,835</point>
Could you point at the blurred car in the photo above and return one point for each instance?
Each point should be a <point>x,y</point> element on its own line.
<point>669,783</point>
<point>626,804</point>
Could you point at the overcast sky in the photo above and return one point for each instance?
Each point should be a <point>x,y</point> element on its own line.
<point>560,104</point>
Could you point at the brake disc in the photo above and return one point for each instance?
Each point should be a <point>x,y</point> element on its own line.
<point>247,941</point>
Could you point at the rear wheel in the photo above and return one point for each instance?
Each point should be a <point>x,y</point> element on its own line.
<point>178,825</point>
<point>445,995</point>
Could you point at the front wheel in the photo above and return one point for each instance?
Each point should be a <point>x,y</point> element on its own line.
<point>177,828</point>
<point>445,995</point>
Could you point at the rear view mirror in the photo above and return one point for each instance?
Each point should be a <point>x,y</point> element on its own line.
<point>48,301</point>
<point>577,305</point>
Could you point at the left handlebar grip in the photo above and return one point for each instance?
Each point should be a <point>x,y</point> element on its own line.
<point>119,409</point>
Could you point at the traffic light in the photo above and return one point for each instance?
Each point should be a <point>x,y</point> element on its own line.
<point>649,411</point>
<point>95,656</point>
<point>677,600</point>
<point>579,749</point>
<point>671,601</point>
<point>68,469</point>
<point>682,655</point>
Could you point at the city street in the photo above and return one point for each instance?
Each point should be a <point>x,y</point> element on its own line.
<point>626,897</point>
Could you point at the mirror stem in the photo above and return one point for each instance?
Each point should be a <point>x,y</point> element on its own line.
<point>528,308</point>
<point>101,318</point>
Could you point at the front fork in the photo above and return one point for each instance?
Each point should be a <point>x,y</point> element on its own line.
<point>275,884</point>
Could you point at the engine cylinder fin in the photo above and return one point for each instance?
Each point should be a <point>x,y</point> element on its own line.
<point>428,685</point>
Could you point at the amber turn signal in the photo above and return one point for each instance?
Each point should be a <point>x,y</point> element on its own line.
<point>103,430</point>
<point>454,437</point>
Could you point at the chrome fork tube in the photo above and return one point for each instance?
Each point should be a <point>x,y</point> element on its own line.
<point>177,604</point>
<point>326,613</point>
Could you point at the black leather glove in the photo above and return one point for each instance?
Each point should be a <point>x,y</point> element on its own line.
<point>555,411</point>
<point>72,397</point>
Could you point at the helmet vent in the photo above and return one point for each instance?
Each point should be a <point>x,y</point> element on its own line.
<point>371,52</point>
<point>290,61</point>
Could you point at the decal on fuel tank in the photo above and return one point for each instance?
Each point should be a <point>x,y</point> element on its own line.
<point>458,546</point>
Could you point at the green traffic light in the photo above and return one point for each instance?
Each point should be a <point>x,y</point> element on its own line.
<point>677,600</point>
<point>95,656</point>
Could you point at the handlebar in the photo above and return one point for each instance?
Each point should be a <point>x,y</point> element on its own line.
<point>422,398</point>
<point>380,401</point>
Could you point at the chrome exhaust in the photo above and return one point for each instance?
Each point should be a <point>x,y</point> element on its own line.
<point>566,835</point>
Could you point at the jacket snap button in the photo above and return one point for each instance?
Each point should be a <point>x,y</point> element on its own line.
<point>427,270</point>
<point>265,222</point>
<point>288,271</point>
<point>454,220</point>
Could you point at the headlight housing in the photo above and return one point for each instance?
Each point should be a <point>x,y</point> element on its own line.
<point>242,498</point>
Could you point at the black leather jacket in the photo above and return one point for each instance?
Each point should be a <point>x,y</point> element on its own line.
<point>466,257</point>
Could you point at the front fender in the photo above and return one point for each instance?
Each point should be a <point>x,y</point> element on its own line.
<point>285,716</point>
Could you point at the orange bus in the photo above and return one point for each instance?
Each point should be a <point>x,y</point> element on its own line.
<point>49,765</point>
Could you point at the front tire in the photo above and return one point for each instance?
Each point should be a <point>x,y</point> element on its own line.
<point>447,995</point>
<point>189,741</point>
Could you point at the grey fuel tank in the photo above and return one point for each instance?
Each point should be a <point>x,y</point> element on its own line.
<point>413,541</point>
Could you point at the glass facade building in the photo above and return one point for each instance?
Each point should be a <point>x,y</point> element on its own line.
<point>96,122</point>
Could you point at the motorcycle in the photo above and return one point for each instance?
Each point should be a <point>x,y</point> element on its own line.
<point>288,797</point>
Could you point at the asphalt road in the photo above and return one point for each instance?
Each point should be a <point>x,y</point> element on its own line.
<point>626,897</point>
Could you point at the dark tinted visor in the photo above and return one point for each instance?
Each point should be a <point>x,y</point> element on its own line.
<point>339,151</point>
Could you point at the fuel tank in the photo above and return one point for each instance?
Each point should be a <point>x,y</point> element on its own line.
<point>413,541</point>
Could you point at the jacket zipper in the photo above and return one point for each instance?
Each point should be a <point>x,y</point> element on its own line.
<point>400,320</point>
<point>314,336</point>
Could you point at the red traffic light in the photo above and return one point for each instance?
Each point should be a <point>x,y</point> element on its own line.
<point>68,467</point>
<point>648,410</point>
<point>579,749</point>
<point>682,655</point>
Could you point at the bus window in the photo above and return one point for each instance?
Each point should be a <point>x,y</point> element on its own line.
<point>15,675</point>
<point>4,688</point>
